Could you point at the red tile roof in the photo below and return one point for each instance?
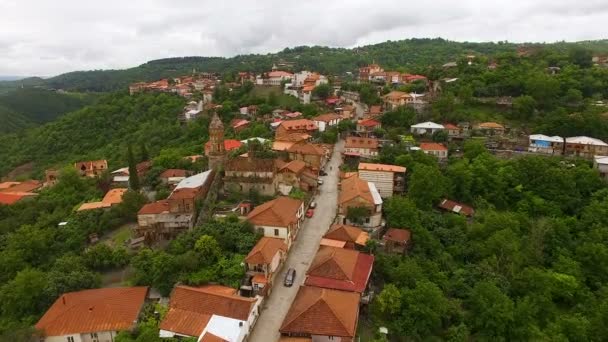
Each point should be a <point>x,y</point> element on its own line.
<point>328,117</point>
<point>340,269</point>
<point>229,145</point>
<point>26,186</point>
<point>397,235</point>
<point>432,147</point>
<point>170,173</point>
<point>157,207</point>
<point>264,251</point>
<point>317,311</point>
<point>299,124</point>
<point>93,310</point>
<point>381,167</point>
<point>456,207</point>
<point>356,142</point>
<point>347,233</point>
<point>368,123</point>
<point>185,322</point>
<point>280,212</point>
<point>9,198</point>
<point>450,126</point>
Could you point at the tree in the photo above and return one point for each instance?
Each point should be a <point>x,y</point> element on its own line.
<point>133,176</point>
<point>427,186</point>
<point>24,296</point>
<point>523,107</point>
<point>208,249</point>
<point>424,308</point>
<point>357,215</point>
<point>144,155</point>
<point>322,91</point>
<point>492,310</point>
<point>581,57</point>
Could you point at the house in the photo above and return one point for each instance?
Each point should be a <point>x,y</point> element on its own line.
<point>388,179</point>
<point>367,127</point>
<point>541,143</point>
<point>366,71</point>
<point>435,149</point>
<point>313,155</point>
<point>211,313</point>
<point>396,99</point>
<point>111,198</point>
<point>238,125</point>
<point>454,131</point>
<point>296,174</point>
<point>349,237</point>
<point>246,174</point>
<point>601,164</point>
<point>327,120</point>
<point>457,208</point>
<point>120,177</point>
<point>91,168</point>
<point>397,240</point>
<point>51,177</point>
<point>374,111</point>
<point>275,77</point>
<point>303,126</point>
<point>426,128</point>
<point>585,147</point>
<point>229,145</point>
<point>173,176</point>
<point>92,315</point>
<point>346,111</point>
<point>279,218</point>
<point>361,147</point>
<point>264,260</point>
<point>340,269</point>
<point>167,218</point>
<point>20,187</point>
<point>358,193</point>
<point>490,128</point>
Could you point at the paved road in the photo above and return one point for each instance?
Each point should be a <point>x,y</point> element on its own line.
<point>360,109</point>
<point>300,255</point>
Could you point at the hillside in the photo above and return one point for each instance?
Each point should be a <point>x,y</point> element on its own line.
<point>411,54</point>
<point>22,108</point>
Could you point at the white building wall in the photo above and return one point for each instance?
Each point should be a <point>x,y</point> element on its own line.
<point>102,336</point>
<point>321,125</point>
<point>276,261</point>
<point>320,338</point>
<point>63,338</point>
<point>269,232</point>
<point>383,181</point>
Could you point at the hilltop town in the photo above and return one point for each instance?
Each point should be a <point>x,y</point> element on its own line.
<point>382,204</point>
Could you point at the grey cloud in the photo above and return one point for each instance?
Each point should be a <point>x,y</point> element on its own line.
<point>42,37</point>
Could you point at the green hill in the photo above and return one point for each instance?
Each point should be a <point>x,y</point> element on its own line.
<point>26,107</point>
<point>411,54</point>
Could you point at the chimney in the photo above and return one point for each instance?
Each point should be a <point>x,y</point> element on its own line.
<point>63,299</point>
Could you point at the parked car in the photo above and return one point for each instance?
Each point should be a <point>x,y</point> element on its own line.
<point>290,277</point>
<point>312,205</point>
<point>320,182</point>
<point>322,173</point>
<point>310,213</point>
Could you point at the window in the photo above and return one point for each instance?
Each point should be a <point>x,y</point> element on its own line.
<point>276,232</point>
<point>70,339</point>
<point>367,220</point>
<point>261,231</point>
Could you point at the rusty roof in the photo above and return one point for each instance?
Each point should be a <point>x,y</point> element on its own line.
<point>318,311</point>
<point>264,251</point>
<point>381,167</point>
<point>157,207</point>
<point>397,235</point>
<point>93,310</point>
<point>347,233</point>
<point>306,149</point>
<point>340,269</point>
<point>353,187</point>
<point>170,173</point>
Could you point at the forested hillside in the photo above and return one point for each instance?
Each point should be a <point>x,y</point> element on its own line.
<point>412,54</point>
<point>26,107</point>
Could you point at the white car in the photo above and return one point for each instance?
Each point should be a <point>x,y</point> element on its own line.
<point>312,205</point>
<point>320,182</point>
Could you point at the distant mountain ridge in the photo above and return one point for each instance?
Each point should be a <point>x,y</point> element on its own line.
<point>413,54</point>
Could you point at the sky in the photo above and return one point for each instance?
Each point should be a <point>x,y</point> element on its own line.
<point>45,38</point>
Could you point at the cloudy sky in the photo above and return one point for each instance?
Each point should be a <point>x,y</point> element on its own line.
<point>42,37</point>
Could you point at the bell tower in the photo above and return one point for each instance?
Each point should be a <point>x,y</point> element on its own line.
<point>217,152</point>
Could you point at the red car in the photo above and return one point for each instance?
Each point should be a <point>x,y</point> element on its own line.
<point>310,212</point>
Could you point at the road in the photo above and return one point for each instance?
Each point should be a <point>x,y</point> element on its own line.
<point>360,109</point>
<point>301,254</point>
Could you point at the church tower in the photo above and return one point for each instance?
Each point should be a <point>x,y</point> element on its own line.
<point>217,151</point>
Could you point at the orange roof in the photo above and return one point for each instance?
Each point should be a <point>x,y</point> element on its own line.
<point>280,212</point>
<point>356,142</point>
<point>211,300</point>
<point>490,125</point>
<point>185,322</point>
<point>306,149</point>
<point>340,269</point>
<point>209,337</point>
<point>264,251</point>
<point>292,137</point>
<point>368,123</point>
<point>432,147</point>
<point>114,196</point>
<point>375,110</point>
<point>397,235</point>
<point>327,117</point>
<point>332,243</point>
<point>229,145</point>
<point>157,207</point>
<point>259,279</point>
<point>26,186</point>
<point>450,126</point>
<point>318,311</point>
<point>282,145</point>
<point>354,187</point>
<point>295,166</point>
<point>9,198</point>
<point>107,309</point>
<point>299,124</point>
<point>396,95</point>
<point>93,206</point>
<point>347,233</point>
<point>185,193</point>
<point>279,73</point>
<point>381,167</point>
